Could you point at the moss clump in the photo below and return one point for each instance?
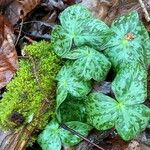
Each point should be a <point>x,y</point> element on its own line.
<point>33,84</point>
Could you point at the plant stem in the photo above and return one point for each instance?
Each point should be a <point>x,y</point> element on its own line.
<point>81,136</point>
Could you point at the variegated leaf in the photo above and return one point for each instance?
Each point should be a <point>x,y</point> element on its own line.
<point>130,85</point>
<point>74,14</point>
<point>89,63</point>
<point>101,110</point>
<point>73,109</point>
<point>145,42</point>
<point>127,23</point>
<point>132,120</point>
<point>68,83</point>
<point>104,113</point>
<point>125,46</point>
<point>69,138</point>
<point>61,41</point>
<point>49,139</point>
<point>78,28</point>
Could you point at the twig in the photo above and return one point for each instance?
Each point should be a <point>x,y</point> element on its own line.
<point>19,32</point>
<point>36,36</point>
<point>144,10</point>
<point>41,22</point>
<point>81,136</point>
<point>29,39</point>
<point>26,57</point>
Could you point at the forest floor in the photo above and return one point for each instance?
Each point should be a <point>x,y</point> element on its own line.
<point>24,21</point>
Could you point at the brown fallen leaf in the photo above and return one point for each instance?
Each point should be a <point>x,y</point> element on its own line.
<point>69,2</point>
<point>4,3</point>
<point>8,55</point>
<point>28,6</point>
<point>108,10</point>
<point>100,8</point>
<point>55,4</point>
<point>18,9</point>
<point>133,145</point>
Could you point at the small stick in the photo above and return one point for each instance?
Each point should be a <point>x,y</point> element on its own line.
<point>36,36</point>
<point>144,10</point>
<point>26,57</point>
<point>29,39</point>
<point>19,32</point>
<point>81,136</point>
<point>45,23</point>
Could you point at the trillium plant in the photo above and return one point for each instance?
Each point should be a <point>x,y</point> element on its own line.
<point>89,49</point>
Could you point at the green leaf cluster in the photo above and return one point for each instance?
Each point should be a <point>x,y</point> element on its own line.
<point>78,29</point>
<point>53,136</point>
<point>33,83</point>
<point>129,45</point>
<point>90,48</point>
<point>128,52</point>
<point>78,39</point>
<point>68,83</point>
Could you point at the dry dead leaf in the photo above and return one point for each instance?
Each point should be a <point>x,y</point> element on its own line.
<point>55,4</point>
<point>108,10</point>
<point>100,8</point>
<point>135,145</point>
<point>18,9</point>
<point>8,55</point>
<point>28,6</point>
<point>69,2</point>
<point>4,3</point>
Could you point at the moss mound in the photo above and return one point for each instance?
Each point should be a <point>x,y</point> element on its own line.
<point>33,84</point>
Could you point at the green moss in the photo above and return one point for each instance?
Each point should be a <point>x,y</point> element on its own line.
<point>33,83</point>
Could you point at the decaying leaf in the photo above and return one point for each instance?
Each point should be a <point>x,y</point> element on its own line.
<point>18,9</point>
<point>57,4</point>
<point>8,55</point>
<point>108,10</point>
<point>28,5</point>
<point>100,8</point>
<point>4,3</point>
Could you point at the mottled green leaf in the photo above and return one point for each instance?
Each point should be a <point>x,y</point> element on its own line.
<point>78,28</point>
<point>54,135</point>
<point>132,120</point>
<point>104,113</point>
<point>68,83</point>
<point>130,85</point>
<point>49,139</point>
<point>69,138</point>
<point>89,63</point>
<point>61,41</point>
<point>145,42</point>
<point>73,15</point>
<point>73,109</point>
<point>101,110</point>
<point>125,46</point>
<point>126,23</point>
<point>94,33</point>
